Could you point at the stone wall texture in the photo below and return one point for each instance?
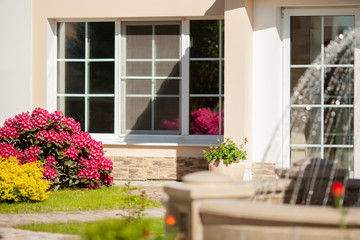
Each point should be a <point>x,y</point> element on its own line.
<point>263,171</point>
<point>156,168</point>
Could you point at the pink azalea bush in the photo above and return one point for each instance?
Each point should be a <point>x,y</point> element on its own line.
<point>69,156</point>
<point>203,121</point>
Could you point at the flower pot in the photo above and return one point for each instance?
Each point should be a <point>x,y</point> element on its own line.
<point>235,170</point>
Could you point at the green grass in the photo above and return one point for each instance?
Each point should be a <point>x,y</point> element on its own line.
<point>79,228</point>
<point>75,200</point>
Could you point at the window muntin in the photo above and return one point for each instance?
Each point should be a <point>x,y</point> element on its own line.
<point>151,77</point>
<point>322,88</point>
<point>86,67</point>
<point>206,77</point>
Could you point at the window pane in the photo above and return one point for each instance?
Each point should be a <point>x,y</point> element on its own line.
<point>138,69</point>
<point>138,42</point>
<point>343,157</point>
<point>305,39</point>
<point>71,77</point>
<point>339,86</point>
<point>167,69</point>
<point>338,126</point>
<point>298,153</point>
<point>167,41</point>
<point>204,38</point>
<point>101,39</point>
<point>101,77</point>
<point>138,113</point>
<point>73,107</point>
<point>306,85</point>
<point>204,77</point>
<point>166,113</point>
<point>204,115</point>
<point>71,40</point>
<point>138,86</point>
<point>306,125</point>
<point>336,28</point>
<point>167,86</point>
<point>101,115</point>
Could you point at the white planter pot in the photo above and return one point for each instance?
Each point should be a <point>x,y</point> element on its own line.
<point>235,170</point>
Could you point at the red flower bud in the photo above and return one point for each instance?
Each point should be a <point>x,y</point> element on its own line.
<point>338,189</point>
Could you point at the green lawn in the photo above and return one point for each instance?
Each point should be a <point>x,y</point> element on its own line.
<point>77,199</point>
<point>155,226</point>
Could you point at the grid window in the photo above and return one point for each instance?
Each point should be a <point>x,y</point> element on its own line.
<point>322,88</point>
<point>206,77</point>
<point>151,77</point>
<point>85,88</point>
<point>135,78</point>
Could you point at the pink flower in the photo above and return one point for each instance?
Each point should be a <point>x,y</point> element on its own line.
<point>49,136</point>
<point>64,137</point>
<point>204,121</point>
<point>23,121</point>
<point>7,150</point>
<point>170,125</point>
<point>9,130</point>
<point>81,140</point>
<point>71,124</point>
<point>106,179</point>
<point>31,153</point>
<point>105,164</point>
<point>49,173</point>
<point>56,116</point>
<point>40,118</point>
<point>50,161</point>
<point>90,173</point>
<point>96,150</point>
<point>71,153</point>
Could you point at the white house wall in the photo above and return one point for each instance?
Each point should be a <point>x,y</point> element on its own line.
<point>15,57</point>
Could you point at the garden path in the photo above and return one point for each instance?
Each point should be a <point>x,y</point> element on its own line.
<point>153,189</point>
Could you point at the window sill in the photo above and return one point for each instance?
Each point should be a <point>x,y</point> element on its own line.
<point>159,140</point>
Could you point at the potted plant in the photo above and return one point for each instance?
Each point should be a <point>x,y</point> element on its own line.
<point>228,159</point>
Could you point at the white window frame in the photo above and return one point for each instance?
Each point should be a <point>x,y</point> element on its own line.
<point>117,138</point>
<point>287,13</point>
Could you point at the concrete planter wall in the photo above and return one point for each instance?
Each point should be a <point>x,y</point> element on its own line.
<point>210,206</point>
<point>234,170</point>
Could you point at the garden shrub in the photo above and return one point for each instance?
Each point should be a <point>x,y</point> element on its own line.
<point>127,230</point>
<point>19,183</point>
<point>69,156</point>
